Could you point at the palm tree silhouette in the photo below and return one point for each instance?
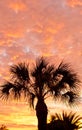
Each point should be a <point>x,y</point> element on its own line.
<point>65,121</point>
<point>3,127</point>
<point>41,81</point>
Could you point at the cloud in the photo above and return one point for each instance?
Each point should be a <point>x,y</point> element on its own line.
<point>14,34</point>
<point>75,3</point>
<point>17,6</point>
<point>15,118</point>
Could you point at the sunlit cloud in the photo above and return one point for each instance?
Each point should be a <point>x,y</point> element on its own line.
<point>14,34</point>
<point>75,3</point>
<point>17,6</point>
<point>15,118</point>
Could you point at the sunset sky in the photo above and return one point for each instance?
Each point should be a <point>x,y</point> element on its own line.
<point>33,28</point>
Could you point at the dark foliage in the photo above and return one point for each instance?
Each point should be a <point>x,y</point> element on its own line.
<point>65,121</point>
<point>40,82</point>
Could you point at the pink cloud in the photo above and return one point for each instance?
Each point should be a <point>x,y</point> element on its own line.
<point>75,3</point>
<point>17,6</point>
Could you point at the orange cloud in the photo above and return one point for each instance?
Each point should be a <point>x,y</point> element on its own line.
<point>14,32</point>
<point>55,28</point>
<point>15,57</point>
<point>74,3</point>
<point>38,28</point>
<point>50,31</point>
<point>47,32</point>
<point>48,40</point>
<point>1,43</point>
<point>17,6</point>
<point>10,36</point>
<point>15,118</point>
<point>7,42</point>
<point>47,54</point>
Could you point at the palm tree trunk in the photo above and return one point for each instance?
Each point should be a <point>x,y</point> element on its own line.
<point>41,113</point>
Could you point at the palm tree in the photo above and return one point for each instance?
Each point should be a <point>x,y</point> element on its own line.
<point>40,82</point>
<point>3,127</point>
<point>65,121</point>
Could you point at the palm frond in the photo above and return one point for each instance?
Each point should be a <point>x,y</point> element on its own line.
<point>20,71</point>
<point>70,96</point>
<point>68,75</point>
<point>65,121</point>
<point>38,74</point>
<point>73,120</point>
<point>15,88</point>
<point>18,90</point>
<point>31,99</point>
<point>47,74</point>
<point>41,64</point>
<point>5,89</point>
<point>42,74</point>
<point>65,82</point>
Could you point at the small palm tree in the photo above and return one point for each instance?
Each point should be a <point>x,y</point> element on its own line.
<point>3,127</point>
<point>65,121</point>
<point>40,82</point>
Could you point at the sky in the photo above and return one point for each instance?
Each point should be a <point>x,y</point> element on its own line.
<point>34,28</point>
